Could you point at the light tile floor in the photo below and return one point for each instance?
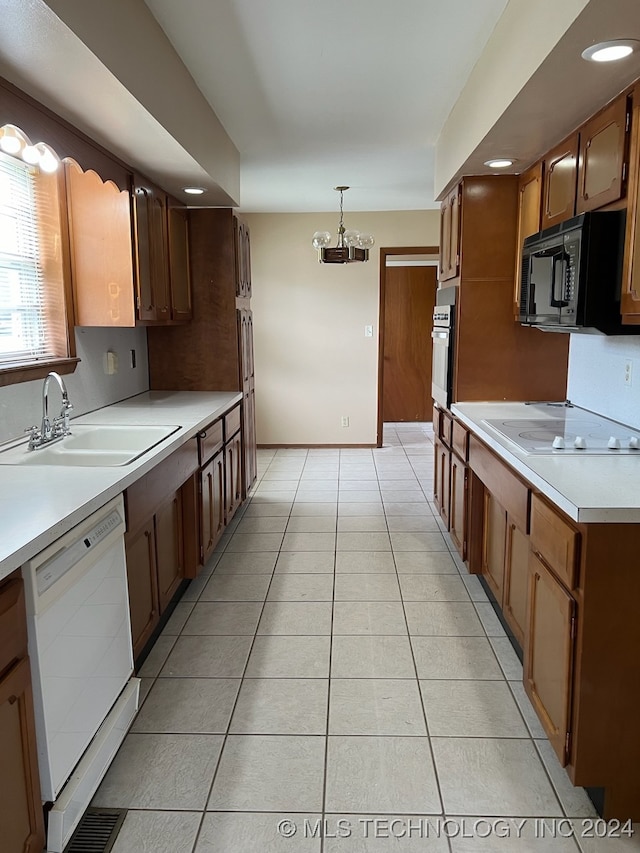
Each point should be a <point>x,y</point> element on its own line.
<point>335,662</point>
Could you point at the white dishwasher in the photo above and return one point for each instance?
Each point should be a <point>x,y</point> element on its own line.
<point>82,662</point>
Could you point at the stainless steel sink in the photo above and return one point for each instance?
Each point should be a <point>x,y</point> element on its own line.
<point>92,445</point>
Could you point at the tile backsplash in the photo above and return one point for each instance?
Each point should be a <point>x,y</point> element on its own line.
<point>597,376</point>
<point>90,387</point>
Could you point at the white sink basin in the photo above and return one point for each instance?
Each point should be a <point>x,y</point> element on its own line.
<point>97,445</point>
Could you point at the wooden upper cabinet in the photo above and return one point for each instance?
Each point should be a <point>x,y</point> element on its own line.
<point>529,212</point>
<point>101,249</point>
<point>242,250</point>
<point>601,167</point>
<point>151,252</point>
<point>560,176</point>
<point>450,236</point>
<point>179,273</point>
<point>630,298</point>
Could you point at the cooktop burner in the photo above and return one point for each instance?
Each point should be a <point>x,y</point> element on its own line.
<point>570,431</point>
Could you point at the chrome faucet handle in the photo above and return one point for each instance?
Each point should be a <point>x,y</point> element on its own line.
<point>65,415</point>
<point>35,436</point>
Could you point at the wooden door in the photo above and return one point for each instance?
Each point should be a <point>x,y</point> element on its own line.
<point>529,209</point>
<point>516,586</point>
<point>179,276</point>
<point>548,654</point>
<point>212,505</point>
<point>21,815</point>
<point>560,179</point>
<point>409,297</point>
<point>169,549</point>
<point>458,505</point>
<point>602,157</point>
<point>494,524</point>
<point>143,585</point>
<point>152,253</point>
<point>101,249</point>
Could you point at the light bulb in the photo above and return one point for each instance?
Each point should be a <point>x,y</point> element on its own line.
<point>321,239</point>
<point>351,238</point>
<point>31,155</point>
<point>48,160</point>
<point>9,141</point>
<point>366,241</point>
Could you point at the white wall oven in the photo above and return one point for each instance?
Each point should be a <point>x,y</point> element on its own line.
<point>443,346</point>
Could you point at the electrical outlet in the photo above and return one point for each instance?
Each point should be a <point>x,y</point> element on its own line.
<point>344,421</point>
<point>628,371</point>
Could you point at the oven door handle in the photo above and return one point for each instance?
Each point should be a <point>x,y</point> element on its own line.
<point>440,335</point>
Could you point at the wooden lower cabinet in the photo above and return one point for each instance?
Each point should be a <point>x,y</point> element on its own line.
<point>250,443</point>
<point>459,480</point>
<point>169,549</point>
<point>142,578</point>
<point>549,654</point>
<point>516,584</point>
<point>21,816</point>
<point>212,504</point>
<point>494,527</point>
<point>233,467</point>
<point>441,479</point>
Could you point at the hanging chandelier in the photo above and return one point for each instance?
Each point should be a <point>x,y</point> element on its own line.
<point>352,245</point>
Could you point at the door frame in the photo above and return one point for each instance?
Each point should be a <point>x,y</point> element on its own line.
<point>384,254</point>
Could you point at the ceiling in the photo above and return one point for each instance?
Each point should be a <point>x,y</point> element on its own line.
<point>269,105</point>
<point>315,95</point>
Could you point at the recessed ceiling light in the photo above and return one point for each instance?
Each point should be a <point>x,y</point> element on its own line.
<point>609,51</point>
<point>193,190</point>
<point>500,163</point>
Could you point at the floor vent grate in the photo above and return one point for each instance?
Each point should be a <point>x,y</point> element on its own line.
<point>97,831</point>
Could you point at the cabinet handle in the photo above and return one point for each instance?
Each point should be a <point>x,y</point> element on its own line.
<point>13,700</point>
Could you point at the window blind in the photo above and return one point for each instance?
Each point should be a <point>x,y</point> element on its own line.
<point>32,311</point>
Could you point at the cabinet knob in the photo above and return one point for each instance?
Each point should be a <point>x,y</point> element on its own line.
<point>13,700</point>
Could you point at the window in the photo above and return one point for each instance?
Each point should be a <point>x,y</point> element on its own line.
<point>34,332</point>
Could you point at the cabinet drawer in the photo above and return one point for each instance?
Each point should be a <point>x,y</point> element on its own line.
<point>555,541</point>
<point>13,623</point>
<point>460,440</point>
<point>210,441</point>
<point>500,480</point>
<point>231,423</point>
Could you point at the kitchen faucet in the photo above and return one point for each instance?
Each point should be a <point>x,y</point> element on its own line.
<point>57,428</point>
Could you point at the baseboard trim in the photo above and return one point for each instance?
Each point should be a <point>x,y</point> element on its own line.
<point>312,446</point>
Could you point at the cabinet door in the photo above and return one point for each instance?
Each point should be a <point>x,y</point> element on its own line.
<point>560,177</point>
<point>152,253</point>
<point>238,251</point>
<point>249,439</point>
<point>630,298</point>
<point>143,585</point>
<point>21,815</point>
<point>101,249</point>
<point>441,479</point>
<point>602,157</point>
<point>458,505</point>
<point>233,475</point>
<point>454,234</point>
<point>548,654</point>
<point>529,210</point>
<point>247,262</point>
<point>179,275</point>
<point>212,505</point>
<point>445,240</point>
<point>169,549</point>
<point>494,530</point>
<point>516,580</point>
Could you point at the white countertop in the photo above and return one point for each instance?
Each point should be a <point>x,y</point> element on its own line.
<point>40,503</point>
<point>587,488</point>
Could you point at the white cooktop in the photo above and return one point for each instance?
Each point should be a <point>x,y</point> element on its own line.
<point>567,430</point>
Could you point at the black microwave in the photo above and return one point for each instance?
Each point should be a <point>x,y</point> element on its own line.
<point>571,275</point>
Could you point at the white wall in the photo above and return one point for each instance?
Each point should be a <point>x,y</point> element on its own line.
<point>596,376</point>
<point>89,387</point>
<point>313,362</point>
